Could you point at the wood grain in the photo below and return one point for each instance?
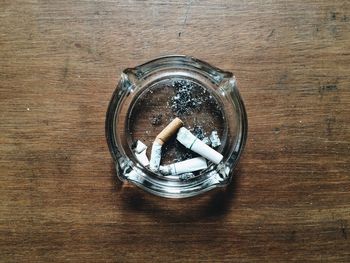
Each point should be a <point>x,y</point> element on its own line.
<point>60,200</point>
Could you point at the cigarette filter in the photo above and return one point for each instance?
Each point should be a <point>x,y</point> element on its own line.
<point>190,165</point>
<point>169,131</point>
<point>186,138</point>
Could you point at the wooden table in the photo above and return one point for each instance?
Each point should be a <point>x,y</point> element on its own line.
<point>60,200</point>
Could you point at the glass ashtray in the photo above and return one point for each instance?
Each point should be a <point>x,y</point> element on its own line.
<point>202,100</point>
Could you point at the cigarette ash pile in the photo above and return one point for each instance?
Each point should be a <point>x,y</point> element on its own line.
<point>194,142</point>
<point>185,101</point>
<point>189,97</point>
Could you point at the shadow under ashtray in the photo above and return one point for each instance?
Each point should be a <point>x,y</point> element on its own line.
<point>215,203</point>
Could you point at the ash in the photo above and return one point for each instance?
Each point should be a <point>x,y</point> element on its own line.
<point>199,132</point>
<point>156,119</point>
<point>189,97</point>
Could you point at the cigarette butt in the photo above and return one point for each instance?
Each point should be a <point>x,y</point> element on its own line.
<point>186,138</point>
<point>140,147</point>
<point>169,131</point>
<point>140,153</point>
<point>190,165</point>
<point>162,138</point>
<point>156,154</point>
<point>142,158</point>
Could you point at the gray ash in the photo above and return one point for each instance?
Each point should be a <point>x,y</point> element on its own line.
<point>156,119</point>
<point>199,132</point>
<point>188,97</point>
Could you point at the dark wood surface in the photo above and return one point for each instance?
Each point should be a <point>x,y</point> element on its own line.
<point>59,197</point>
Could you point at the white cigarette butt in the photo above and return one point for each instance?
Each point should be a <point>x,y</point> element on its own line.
<point>190,165</point>
<point>140,153</point>
<point>186,138</point>
<point>155,156</point>
<point>142,158</point>
<point>162,138</point>
<point>140,147</point>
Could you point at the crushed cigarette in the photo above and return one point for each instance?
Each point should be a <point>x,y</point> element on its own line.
<point>214,138</point>
<point>162,138</point>
<point>140,153</point>
<point>186,138</point>
<point>190,165</point>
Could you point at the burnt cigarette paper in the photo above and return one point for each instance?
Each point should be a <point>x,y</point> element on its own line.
<point>187,139</point>
<point>140,153</point>
<point>214,138</point>
<point>162,138</point>
<point>156,154</point>
<point>190,165</point>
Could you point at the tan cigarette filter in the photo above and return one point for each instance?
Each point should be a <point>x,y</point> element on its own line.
<point>169,131</point>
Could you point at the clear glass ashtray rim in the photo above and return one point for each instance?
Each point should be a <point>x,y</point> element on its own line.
<point>143,176</point>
